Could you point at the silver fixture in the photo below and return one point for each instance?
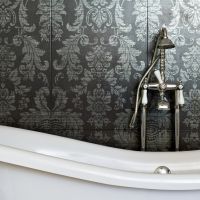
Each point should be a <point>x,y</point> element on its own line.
<point>163,43</point>
<point>162,170</point>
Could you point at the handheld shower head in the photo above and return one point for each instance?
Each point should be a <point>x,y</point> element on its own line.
<point>165,42</point>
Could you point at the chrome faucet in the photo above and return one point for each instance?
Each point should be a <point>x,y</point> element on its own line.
<point>163,43</point>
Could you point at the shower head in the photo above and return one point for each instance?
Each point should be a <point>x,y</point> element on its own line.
<point>165,42</point>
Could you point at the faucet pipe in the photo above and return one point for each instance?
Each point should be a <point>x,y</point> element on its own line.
<point>143,127</point>
<point>177,120</point>
<point>156,86</point>
<point>162,64</point>
<point>144,116</point>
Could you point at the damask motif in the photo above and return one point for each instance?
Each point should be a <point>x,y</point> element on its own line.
<point>154,13</point>
<point>43,118</point>
<point>99,61</point>
<point>79,13</point>
<point>192,137</point>
<point>191,61</point>
<point>51,24</point>
<point>183,62</point>
<point>7,15</point>
<point>83,87</point>
<point>97,56</point>
<point>119,17</point>
<point>32,60</point>
<point>44,9</point>
<point>7,61</point>
<point>140,11</point>
<point>21,59</point>
<point>127,60</point>
<point>192,107</point>
<point>98,106</point>
<point>125,137</point>
<point>147,17</point>
<point>172,68</point>
<point>186,16</point>
<point>190,14</point>
<point>159,140</point>
<point>70,59</point>
<point>99,16</point>
<point>38,116</point>
<point>7,99</point>
<point>32,54</point>
<point>62,116</point>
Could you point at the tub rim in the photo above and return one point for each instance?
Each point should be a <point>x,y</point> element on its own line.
<point>123,176</point>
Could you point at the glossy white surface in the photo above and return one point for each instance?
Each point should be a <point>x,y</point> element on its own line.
<point>43,166</point>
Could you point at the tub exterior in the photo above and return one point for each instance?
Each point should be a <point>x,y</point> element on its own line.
<point>40,166</point>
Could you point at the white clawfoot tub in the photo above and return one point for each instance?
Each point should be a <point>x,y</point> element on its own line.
<point>37,166</point>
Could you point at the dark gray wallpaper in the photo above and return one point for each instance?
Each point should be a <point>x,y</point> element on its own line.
<point>71,68</point>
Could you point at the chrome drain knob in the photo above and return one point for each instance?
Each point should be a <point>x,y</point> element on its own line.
<point>162,170</point>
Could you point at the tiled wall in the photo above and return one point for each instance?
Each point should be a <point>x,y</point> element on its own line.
<point>71,68</point>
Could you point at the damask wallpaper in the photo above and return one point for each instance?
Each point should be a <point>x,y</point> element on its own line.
<point>71,68</point>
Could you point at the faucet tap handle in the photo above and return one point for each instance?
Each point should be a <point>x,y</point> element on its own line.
<point>181,97</point>
<point>144,97</point>
<point>181,100</point>
<point>144,94</point>
<point>158,76</point>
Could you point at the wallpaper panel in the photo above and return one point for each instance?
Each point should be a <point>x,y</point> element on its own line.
<point>71,68</point>
<point>96,60</point>
<point>182,19</point>
<point>24,64</point>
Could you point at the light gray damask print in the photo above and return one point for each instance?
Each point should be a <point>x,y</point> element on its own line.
<point>147,17</point>
<point>191,61</point>
<point>190,14</point>
<point>140,11</point>
<point>192,107</point>
<point>7,99</point>
<point>21,59</point>
<point>32,54</point>
<point>84,86</point>
<point>128,58</point>
<point>192,118</point>
<point>70,59</point>
<point>98,106</point>
<point>51,24</point>
<point>87,61</point>
<point>183,62</point>
<point>42,118</point>
<point>7,61</point>
<point>7,15</point>
<point>123,136</point>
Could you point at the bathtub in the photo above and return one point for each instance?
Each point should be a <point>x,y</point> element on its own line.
<point>38,166</point>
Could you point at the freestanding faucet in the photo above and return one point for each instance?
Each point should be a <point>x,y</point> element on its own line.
<point>163,43</point>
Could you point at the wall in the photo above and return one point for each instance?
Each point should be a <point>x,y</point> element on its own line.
<point>71,68</point>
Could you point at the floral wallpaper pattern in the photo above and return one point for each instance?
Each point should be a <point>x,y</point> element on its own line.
<point>71,68</point>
